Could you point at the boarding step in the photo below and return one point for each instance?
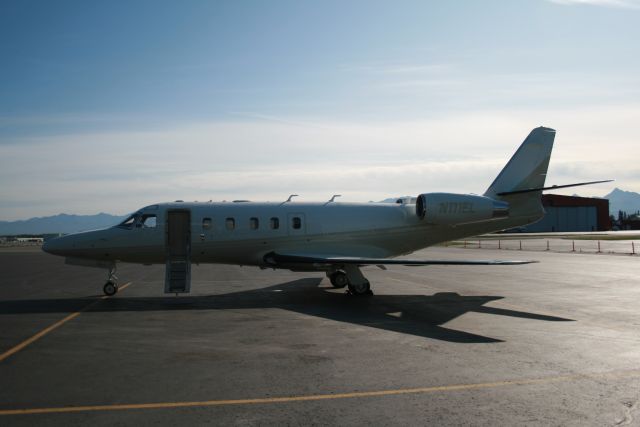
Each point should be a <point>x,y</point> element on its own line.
<point>177,277</point>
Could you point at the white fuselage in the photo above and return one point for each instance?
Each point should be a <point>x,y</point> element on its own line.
<point>243,232</point>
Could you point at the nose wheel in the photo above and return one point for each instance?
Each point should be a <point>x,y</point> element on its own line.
<point>111,287</point>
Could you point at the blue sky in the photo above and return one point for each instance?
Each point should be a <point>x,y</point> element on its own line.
<point>108,106</point>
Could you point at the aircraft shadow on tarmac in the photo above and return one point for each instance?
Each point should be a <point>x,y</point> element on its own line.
<point>419,315</point>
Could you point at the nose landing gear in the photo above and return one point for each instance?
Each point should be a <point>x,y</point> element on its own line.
<point>111,287</point>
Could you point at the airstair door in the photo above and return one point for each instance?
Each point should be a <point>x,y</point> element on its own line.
<point>178,250</point>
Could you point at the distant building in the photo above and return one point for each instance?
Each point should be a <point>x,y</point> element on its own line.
<point>29,239</point>
<point>570,213</point>
<point>629,224</point>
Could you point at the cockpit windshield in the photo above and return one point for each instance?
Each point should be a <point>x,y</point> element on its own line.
<point>128,223</point>
<point>139,220</point>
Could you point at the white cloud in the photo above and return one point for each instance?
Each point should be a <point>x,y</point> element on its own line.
<point>399,68</point>
<point>527,89</point>
<point>270,159</point>
<point>624,4</point>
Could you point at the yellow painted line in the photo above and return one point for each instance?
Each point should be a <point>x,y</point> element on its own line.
<point>56,325</point>
<point>317,397</point>
<point>37,336</point>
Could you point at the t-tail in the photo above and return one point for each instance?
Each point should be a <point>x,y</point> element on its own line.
<point>526,171</point>
<point>522,180</point>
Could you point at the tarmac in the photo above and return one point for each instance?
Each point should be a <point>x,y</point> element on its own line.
<point>551,343</point>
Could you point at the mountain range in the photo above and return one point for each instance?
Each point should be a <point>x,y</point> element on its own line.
<point>620,200</point>
<point>62,223</point>
<point>627,201</point>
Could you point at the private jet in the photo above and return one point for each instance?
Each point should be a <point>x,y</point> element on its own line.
<point>333,237</point>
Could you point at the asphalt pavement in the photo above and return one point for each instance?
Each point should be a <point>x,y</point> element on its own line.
<point>551,343</point>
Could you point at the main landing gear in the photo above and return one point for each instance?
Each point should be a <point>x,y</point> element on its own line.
<point>360,289</point>
<point>352,277</point>
<point>338,279</point>
<point>111,287</point>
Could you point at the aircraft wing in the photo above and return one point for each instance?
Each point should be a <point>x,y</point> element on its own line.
<point>274,258</point>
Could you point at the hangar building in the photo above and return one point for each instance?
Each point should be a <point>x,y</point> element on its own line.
<point>570,213</point>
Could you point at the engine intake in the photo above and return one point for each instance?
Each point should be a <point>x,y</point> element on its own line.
<point>451,208</point>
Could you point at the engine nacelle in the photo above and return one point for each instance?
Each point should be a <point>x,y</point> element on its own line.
<point>452,209</point>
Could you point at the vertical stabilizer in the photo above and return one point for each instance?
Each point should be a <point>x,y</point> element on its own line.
<point>528,166</point>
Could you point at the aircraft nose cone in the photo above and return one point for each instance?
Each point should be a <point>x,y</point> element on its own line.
<point>54,246</point>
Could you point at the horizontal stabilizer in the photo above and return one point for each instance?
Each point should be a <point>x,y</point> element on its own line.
<point>553,187</point>
<point>273,258</point>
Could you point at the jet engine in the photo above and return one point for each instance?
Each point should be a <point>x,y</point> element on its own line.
<point>452,209</point>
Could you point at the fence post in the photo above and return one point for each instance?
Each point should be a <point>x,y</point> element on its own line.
<point>573,246</point>
<point>520,244</point>
<point>499,247</point>
<point>547,245</point>
<point>598,246</point>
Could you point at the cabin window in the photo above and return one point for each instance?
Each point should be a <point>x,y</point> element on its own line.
<point>148,221</point>
<point>230,223</point>
<point>206,223</point>
<point>254,223</point>
<point>296,223</point>
<point>274,223</point>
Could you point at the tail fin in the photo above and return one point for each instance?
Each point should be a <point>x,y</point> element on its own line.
<point>528,166</point>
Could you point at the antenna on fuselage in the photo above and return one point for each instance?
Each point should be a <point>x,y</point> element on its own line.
<point>290,197</point>
<point>333,198</point>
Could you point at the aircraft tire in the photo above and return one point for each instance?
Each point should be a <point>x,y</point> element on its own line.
<point>110,288</point>
<point>362,289</point>
<point>339,279</point>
